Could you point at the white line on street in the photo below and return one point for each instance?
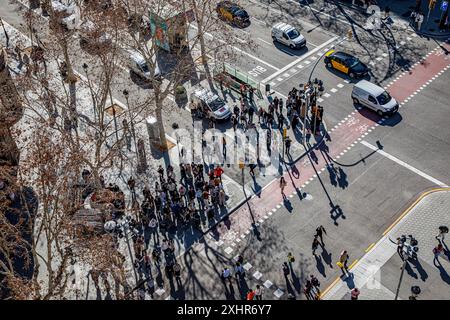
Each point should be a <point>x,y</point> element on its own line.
<point>239,50</point>
<point>290,65</point>
<point>265,41</point>
<point>404,164</point>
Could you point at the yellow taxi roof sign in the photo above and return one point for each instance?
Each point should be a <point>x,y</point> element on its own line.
<point>329,52</point>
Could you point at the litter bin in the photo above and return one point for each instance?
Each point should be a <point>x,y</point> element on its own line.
<point>152,129</point>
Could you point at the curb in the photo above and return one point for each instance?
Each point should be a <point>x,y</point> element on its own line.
<point>249,197</point>
<point>405,212</point>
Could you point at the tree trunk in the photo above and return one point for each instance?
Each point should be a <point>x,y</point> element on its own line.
<point>199,19</point>
<point>159,119</point>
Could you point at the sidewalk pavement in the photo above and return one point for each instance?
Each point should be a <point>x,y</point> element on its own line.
<point>377,274</point>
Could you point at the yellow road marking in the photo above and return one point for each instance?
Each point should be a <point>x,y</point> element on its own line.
<point>370,247</point>
<point>329,287</point>
<point>353,263</point>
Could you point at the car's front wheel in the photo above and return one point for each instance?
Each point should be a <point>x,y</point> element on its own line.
<point>329,65</point>
<point>352,75</point>
<point>355,101</point>
<point>380,113</point>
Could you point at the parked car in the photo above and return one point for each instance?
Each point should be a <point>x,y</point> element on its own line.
<point>210,104</point>
<point>345,63</point>
<point>233,13</point>
<point>374,97</point>
<point>138,65</point>
<point>288,35</point>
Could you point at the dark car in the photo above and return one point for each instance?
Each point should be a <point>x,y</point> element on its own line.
<point>233,13</point>
<point>346,63</point>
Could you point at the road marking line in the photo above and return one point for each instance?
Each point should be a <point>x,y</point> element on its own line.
<point>353,264</point>
<point>266,42</point>
<point>239,50</point>
<point>369,247</point>
<point>280,71</point>
<point>404,164</point>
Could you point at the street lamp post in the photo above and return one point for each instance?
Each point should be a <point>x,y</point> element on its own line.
<point>126,94</point>
<point>125,226</point>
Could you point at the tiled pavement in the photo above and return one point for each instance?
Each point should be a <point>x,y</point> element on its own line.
<point>377,273</point>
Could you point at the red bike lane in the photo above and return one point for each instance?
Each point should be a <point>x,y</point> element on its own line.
<point>356,125</point>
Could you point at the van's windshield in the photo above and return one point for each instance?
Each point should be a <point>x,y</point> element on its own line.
<point>144,67</point>
<point>293,34</point>
<point>384,98</point>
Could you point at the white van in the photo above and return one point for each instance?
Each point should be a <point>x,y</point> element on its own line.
<point>137,64</point>
<point>374,97</point>
<point>286,34</point>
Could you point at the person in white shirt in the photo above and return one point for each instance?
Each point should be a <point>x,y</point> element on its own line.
<point>419,20</point>
<point>259,291</point>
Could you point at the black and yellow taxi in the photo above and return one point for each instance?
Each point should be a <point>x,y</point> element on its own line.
<point>345,63</point>
<point>233,13</point>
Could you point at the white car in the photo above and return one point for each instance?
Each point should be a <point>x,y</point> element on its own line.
<point>288,35</point>
<point>212,103</point>
<point>137,64</point>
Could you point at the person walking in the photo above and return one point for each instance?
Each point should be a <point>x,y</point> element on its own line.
<point>288,142</point>
<point>320,230</point>
<point>419,20</point>
<point>218,171</point>
<point>250,294</point>
<point>315,245</point>
<point>251,112</point>
<point>316,285</point>
<point>282,186</point>
<point>355,293</point>
<point>226,274</point>
<point>442,231</point>
<point>224,147</point>
<point>437,251</point>
<point>308,290</point>
<point>239,271</point>
<point>342,263</point>
<point>259,291</point>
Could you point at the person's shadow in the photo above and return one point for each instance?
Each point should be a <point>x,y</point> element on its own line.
<point>342,180</point>
<point>423,274</point>
<point>288,205</point>
<point>319,265</point>
<point>327,257</point>
<point>443,273</point>
<point>332,173</point>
